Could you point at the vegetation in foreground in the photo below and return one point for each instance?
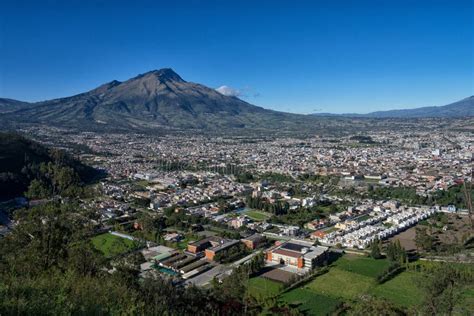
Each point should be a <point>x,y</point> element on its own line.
<point>26,166</point>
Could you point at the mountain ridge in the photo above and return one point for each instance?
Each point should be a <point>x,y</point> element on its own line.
<point>160,99</point>
<point>461,108</point>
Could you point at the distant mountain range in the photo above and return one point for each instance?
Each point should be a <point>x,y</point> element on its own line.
<point>462,108</point>
<point>161,99</point>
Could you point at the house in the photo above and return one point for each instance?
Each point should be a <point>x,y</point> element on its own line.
<point>318,234</point>
<point>238,222</point>
<point>346,224</point>
<point>316,224</point>
<point>287,230</point>
<point>174,237</point>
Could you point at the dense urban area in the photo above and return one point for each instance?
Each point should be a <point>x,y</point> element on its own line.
<point>377,222</point>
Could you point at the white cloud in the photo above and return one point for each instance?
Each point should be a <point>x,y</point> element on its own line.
<point>228,91</point>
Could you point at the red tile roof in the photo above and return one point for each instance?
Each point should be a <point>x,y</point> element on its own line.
<point>288,253</point>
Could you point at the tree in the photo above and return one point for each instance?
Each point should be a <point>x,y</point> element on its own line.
<point>37,190</point>
<point>395,252</point>
<point>257,263</point>
<point>233,287</point>
<point>423,240</point>
<point>442,287</point>
<point>84,259</point>
<point>376,249</point>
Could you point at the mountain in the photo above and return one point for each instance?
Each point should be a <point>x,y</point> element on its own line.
<point>462,108</point>
<point>9,105</point>
<point>156,99</point>
<point>162,100</point>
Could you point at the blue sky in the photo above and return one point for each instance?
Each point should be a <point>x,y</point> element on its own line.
<point>296,56</point>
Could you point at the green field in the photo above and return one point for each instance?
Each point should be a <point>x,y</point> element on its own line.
<point>362,265</point>
<point>401,290</point>
<point>340,283</point>
<point>348,278</point>
<point>257,215</point>
<point>260,287</point>
<point>112,246</point>
<point>322,295</point>
<point>352,276</point>
<point>466,303</point>
<point>309,302</point>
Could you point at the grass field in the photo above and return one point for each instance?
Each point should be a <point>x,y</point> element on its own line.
<point>261,287</point>
<point>362,265</point>
<point>352,276</point>
<point>340,283</point>
<point>309,302</point>
<point>257,215</point>
<point>466,303</point>
<point>111,245</point>
<point>401,290</point>
<point>348,278</point>
<point>322,295</point>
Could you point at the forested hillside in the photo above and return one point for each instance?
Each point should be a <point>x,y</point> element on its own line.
<point>28,167</point>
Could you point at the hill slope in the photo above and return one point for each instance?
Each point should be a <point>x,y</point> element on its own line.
<point>462,108</point>
<point>9,105</point>
<point>20,159</point>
